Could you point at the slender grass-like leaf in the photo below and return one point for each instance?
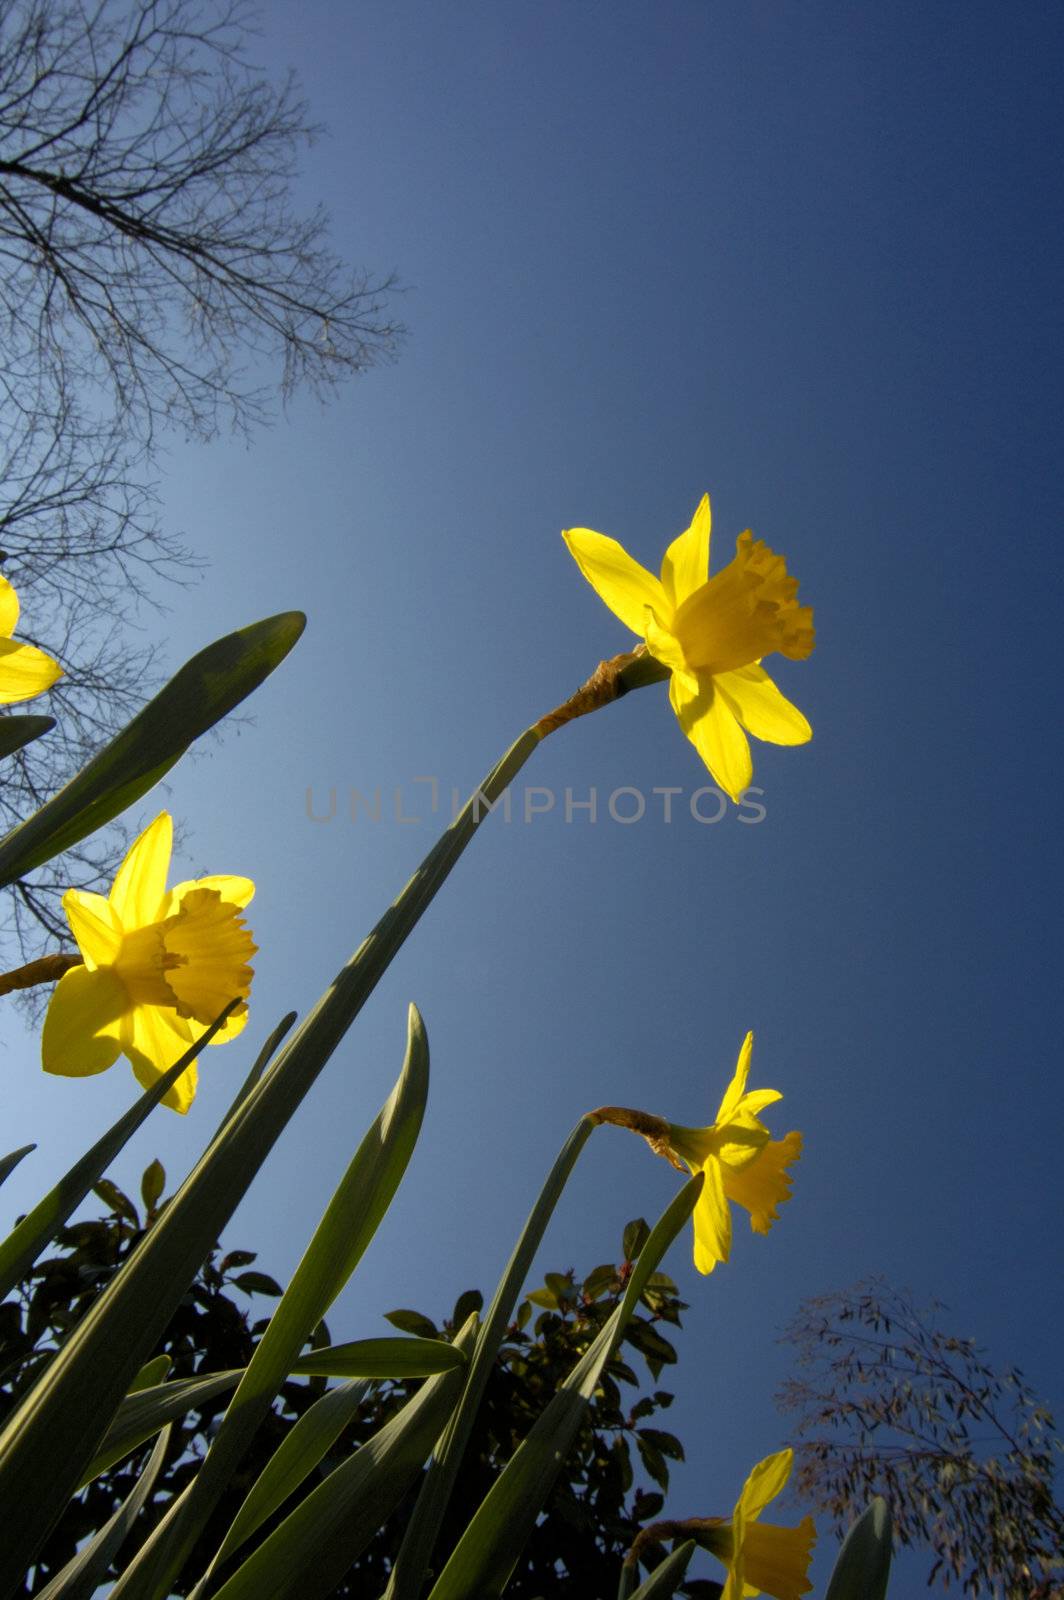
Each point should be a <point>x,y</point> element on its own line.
<point>35,1232</point>
<point>148,1406</point>
<point>10,1162</point>
<point>144,1411</point>
<point>490,1547</point>
<point>295,1458</point>
<point>660,1583</point>
<point>84,1572</point>
<point>199,695</point>
<point>380,1358</point>
<point>17,731</point>
<point>307,1555</point>
<point>349,1223</point>
<point>407,1576</point>
<point>862,1567</point>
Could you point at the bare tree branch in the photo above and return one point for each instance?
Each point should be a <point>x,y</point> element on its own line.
<point>151,266</point>
<point>885,1403</point>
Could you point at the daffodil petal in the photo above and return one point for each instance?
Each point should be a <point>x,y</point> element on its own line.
<point>661,643</point>
<point>712,1220</point>
<point>139,890</point>
<point>235,891</point>
<point>710,724</point>
<point>9,608</point>
<point>761,708</point>
<point>82,1027</point>
<point>740,1140</point>
<point>764,1483</point>
<point>737,1088</point>
<point>686,564</point>
<point>154,1038</point>
<point>94,925</point>
<point>616,577</point>
<point>25,671</point>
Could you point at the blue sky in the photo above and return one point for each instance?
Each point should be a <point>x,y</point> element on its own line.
<point>807,258</point>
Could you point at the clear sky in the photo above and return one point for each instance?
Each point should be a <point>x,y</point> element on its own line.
<point>805,257</point>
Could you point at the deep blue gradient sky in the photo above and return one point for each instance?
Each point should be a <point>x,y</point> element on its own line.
<point>806,257</point>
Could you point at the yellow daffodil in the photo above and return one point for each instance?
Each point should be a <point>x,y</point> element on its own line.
<point>762,1557</point>
<point>25,671</point>
<point>711,633</point>
<point>741,1162</point>
<point>159,965</point>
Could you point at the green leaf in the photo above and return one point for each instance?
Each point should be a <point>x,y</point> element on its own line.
<point>152,1185</point>
<point>199,695</point>
<point>545,1298</point>
<point>9,1163</point>
<point>257,1283</point>
<point>412,1322</point>
<point>312,1549</point>
<point>144,1411</point>
<point>350,1221</point>
<point>634,1238</point>
<point>601,1280</point>
<point>862,1567</point>
<point>294,1460</point>
<point>86,1571</point>
<point>17,731</point>
<point>490,1547</point>
<point>662,1582</point>
<point>469,1301</point>
<point>237,1258</point>
<point>667,1443</point>
<point>120,1204</point>
<point>151,1373</point>
<point>653,1460</point>
<point>381,1358</point>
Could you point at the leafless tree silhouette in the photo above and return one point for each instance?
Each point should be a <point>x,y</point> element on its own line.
<point>152,268</point>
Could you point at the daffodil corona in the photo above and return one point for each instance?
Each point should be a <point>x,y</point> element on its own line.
<point>159,965</point>
<point>711,633</point>
<point>763,1557</point>
<point>25,671</point>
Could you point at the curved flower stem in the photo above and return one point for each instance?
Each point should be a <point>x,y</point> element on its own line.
<point>46,969</point>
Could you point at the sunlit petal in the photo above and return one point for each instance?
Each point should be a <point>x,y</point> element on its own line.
<point>776,1559</point>
<point>661,644</point>
<point>94,925</point>
<point>712,1220</point>
<point>761,708</point>
<point>737,1088</point>
<point>25,671</point>
<point>765,1482</point>
<point>83,1023</point>
<point>153,1039</point>
<point>616,578</point>
<point>709,723</point>
<point>139,888</point>
<point>9,608</point>
<point>686,564</point>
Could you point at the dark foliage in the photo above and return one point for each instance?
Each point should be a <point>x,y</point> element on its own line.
<point>598,1504</point>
